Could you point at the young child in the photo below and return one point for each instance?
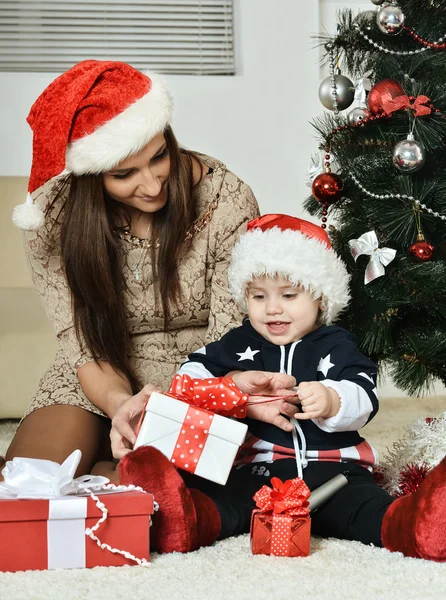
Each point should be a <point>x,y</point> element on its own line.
<point>293,286</point>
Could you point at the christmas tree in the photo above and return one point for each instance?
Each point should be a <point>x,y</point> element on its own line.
<point>381,181</point>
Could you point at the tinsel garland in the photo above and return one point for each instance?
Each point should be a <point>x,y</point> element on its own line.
<point>405,466</point>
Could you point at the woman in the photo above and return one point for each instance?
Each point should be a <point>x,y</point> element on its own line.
<point>128,240</point>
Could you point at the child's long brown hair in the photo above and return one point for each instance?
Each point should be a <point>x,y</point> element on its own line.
<point>92,264</point>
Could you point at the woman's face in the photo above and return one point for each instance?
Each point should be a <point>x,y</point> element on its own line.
<point>140,181</point>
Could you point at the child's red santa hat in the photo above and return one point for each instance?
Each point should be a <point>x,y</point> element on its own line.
<point>88,120</point>
<point>295,249</point>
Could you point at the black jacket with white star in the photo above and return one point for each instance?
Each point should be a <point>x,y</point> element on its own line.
<point>328,355</point>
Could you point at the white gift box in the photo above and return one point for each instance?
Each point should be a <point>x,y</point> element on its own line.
<point>192,438</point>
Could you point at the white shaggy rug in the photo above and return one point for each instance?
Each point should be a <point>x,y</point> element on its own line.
<point>334,570</point>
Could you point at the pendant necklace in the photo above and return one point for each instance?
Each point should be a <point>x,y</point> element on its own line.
<point>138,269</point>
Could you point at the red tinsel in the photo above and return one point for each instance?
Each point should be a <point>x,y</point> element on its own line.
<point>411,478</point>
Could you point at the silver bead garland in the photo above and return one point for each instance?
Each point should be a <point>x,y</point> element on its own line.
<point>395,52</point>
<point>417,203</point>
<point>332,67</point>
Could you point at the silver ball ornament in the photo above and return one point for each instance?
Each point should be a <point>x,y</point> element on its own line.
<point>357,115</point>
<point>390,19</point>
<point>345,92</point>
<point>409,155</point>
<point>377,2</point>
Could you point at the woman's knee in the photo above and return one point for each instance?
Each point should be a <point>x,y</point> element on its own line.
<point>54,432</point>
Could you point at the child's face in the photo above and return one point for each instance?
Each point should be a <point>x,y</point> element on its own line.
<point>280,312</point>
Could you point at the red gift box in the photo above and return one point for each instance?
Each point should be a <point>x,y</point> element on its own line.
<point>281,525</point>
<point>51,534</point>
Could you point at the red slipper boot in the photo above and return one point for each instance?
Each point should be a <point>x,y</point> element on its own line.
<point>416,524</point>
<point>208,519</point>
<point>174,527</point>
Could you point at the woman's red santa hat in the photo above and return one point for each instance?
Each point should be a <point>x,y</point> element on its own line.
<point>296,249</point>
<point>88,120</point>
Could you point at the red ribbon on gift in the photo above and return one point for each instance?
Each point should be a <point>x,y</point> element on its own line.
<point>418,105</point>
<point>217,394</point>
<point>289,497</point>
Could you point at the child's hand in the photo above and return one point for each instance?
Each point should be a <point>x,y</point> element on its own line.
<point>316,400</point>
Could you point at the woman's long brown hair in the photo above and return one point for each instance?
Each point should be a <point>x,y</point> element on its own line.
<point>91,257</point>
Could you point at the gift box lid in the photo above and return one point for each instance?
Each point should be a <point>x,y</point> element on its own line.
<point>118,504</point>
<point>225,428</point>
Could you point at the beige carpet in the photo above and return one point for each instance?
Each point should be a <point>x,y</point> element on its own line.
<point>334,570</point>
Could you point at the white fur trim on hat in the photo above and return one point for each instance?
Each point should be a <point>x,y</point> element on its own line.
<point>303,260</point>
<point>123,135</point>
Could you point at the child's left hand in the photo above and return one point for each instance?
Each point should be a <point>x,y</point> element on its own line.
<point>316,400</point>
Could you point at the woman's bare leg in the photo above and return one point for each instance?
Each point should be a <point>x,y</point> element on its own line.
<point>106,468</point>
<point>54,432</point>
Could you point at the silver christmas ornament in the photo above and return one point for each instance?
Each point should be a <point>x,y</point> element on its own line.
<point>357,115</point>
<point>390,19</point>
<point>345,92</point>
<point>377,2</point>
<point>409,155</point>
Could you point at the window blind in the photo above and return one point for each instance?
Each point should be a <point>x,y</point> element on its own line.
<point>168,36</point>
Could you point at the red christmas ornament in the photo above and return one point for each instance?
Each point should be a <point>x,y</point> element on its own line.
<point>388,88</point>
<point>411,477</point>
<point>422,250</point>
<point>327,188</point>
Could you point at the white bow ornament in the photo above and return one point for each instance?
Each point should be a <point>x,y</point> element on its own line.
<point>362,86</point>
<point>315,169</point>
<point>379,257</point>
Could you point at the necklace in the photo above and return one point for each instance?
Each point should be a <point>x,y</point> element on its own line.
<point>139,265</point>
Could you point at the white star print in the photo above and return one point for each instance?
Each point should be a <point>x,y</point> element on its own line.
<point>248,354</point>
<point>325,365</point>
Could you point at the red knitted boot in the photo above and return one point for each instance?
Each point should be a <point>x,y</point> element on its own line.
<point>208,519</point>
<point>416,524</point>
<point>176,527</point>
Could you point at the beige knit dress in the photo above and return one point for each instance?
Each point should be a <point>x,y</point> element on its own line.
<point>206,312</point>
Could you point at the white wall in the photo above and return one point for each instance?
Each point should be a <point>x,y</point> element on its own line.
<point>256,122</point>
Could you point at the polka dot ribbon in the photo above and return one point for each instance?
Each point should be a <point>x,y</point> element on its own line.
<point>217,394</point>
<point>289,497</point>
<point>286,501</point>
<point>206,397</point>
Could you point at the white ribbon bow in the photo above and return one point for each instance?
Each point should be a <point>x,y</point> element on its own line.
<point>379,257</point>
<point>36,478</point>
<point>315,169</point>
<point>362,86</point>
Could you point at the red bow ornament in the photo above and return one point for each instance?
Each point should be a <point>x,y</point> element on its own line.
<point>281,524</point>
<point>418,105</point>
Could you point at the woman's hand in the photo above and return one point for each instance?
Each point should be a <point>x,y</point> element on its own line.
<point>316,400</point>
<point>122,433</point>
<point>259,384</point>
<point>264,383</point>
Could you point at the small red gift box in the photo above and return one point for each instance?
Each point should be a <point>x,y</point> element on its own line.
<point>281,525</point>
<point>184,426</point>
<point>51,534</point>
